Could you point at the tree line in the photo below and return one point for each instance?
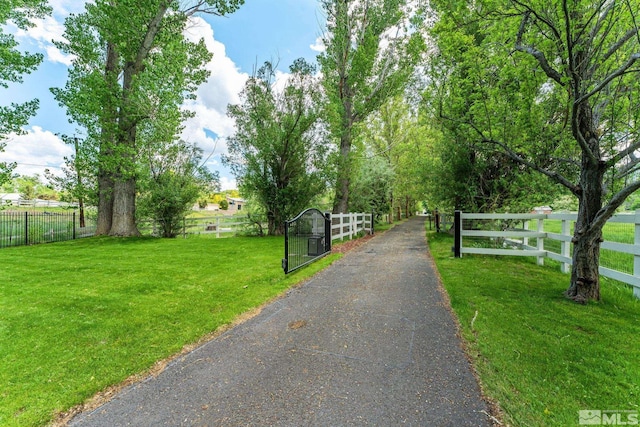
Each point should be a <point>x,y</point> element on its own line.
<point>497,105</point>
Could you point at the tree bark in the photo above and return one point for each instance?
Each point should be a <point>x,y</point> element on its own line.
<point>124,207</point>
<point>105,179</point>
<point>341,203</point>
<point>105,203</point>
<point>585,278</point>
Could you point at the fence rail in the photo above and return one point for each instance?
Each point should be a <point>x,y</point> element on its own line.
<point>350,224</point>
<point>549,236</point>
<point>218,225</point>
<point>28,228</point>
<point>308,236</point>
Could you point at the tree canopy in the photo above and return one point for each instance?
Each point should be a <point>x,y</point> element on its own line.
<point>279,150</point>
<point>553,86</point>
<point>372,50</point>
<point>13,65</point>
<point>132,72</point>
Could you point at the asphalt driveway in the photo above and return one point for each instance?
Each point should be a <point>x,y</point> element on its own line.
<point>367,342</point>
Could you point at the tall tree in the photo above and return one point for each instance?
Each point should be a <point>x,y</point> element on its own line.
<point>559,94</point>
<point>278,152</point>
<point>175,179</point>
<point>132,61</point>
<point>372,50</point>
<point>396,134</point>
<point>13,65</point>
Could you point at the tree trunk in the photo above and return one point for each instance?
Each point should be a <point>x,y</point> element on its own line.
<point>585,278</point>
<point>124,208</point>
<point>271,224</point>
<point>108,125</point>
<point>341,203</point>
<point>105,204</point>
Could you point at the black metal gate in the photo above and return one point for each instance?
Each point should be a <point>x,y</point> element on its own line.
<point>307,237</point>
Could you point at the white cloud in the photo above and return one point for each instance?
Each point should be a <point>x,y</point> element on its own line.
<point>39,149</point>
<point>318,46</point>
<point>43,33</point>
<point>227,183</point>
<point>35,151</point>
<point>221,89</point>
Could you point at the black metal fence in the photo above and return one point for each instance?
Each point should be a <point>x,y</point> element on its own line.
<point>307,238</point>
<point>29,228</point>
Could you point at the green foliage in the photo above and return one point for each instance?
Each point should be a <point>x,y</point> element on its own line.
<point>372,50</point>
<point>129,304</point>
<point>224,204</point>
<point>279,153</point>
<point>176,181</point>
<point>132,73</point>
<point>372,187</point>
<point>77,182</point>
<point>13,64</point>
<point>554,87</point>
<point>30,188</point>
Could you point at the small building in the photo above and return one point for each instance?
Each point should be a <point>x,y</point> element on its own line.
<point>235,205</point>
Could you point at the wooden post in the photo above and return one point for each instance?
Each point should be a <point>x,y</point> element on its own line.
<point>328,231</point>
<point>565,247</point>
<point>540,240</point>
<point>457,227</point>
<point>636,258</point>
<point>373,215</point>
<point>217,227</point>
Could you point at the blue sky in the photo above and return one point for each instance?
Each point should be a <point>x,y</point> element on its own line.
<point>261,30</point>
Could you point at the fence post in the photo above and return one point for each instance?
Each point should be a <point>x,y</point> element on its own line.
<point>540,240</point>
<point>457,234</point>
<point>26,228</point>
<point>372,222</point>
<point>636,258</point>
<point>328,231</point>
<point>525,240</point>
<point>217,227</point>
<point>565,247</point>
<point>285,262</point>
<point>352,229</point>
<point>74,225</point>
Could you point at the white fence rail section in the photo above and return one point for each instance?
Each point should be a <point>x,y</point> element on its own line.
<point>515,241</point>
<point>350,224</point>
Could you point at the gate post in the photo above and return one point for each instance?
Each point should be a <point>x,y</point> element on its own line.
<point>285,260</point>
<point>327,231</point>
<point>457,227</point>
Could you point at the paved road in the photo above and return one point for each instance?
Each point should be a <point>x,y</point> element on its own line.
<point>367,342</point>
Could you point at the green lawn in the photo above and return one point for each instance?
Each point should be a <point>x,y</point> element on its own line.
<point>541,357</point>
<point>79,316</point>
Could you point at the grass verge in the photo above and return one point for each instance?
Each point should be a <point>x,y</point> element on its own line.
<point>77,317</point>
<point>540,357</point>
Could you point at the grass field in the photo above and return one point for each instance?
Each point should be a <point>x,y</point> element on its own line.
<point>541,357</point>
<point>79,316</point>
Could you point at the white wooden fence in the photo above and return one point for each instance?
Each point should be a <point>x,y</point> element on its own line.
<point>342,225</point>
<point>350,224</point>
<point>515,241</point>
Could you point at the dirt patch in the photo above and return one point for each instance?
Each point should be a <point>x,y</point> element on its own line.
<point>297,324</point>
<point>351,244</point>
